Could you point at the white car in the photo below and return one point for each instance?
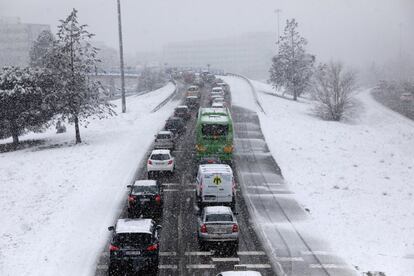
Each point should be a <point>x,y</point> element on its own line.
<point>160,161</point>
<point>218,105</point>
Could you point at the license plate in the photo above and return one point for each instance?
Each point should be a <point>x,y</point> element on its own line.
<point>159,163</point>
<point>144,199</point>
<point>133,253</point>
<point>220,231</point>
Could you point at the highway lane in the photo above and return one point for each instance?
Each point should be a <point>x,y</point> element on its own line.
<point>295,250</point>
<point>179,251</point>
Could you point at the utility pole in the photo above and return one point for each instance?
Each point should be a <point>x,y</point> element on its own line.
<point>278,11</point>
<point>121,58</point>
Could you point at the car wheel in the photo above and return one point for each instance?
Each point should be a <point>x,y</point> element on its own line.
<point>235,247</point>
<point>201,245</point>
<point>114,270</point>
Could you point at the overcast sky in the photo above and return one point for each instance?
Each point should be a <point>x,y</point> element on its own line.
<point>356,31</point>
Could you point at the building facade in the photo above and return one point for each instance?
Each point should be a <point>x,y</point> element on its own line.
<point>248,54</point>
<point>16,39</point>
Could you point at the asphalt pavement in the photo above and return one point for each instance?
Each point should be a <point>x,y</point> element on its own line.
<point>179,250</point>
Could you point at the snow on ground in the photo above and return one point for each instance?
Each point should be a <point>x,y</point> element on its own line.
<point>58,199</point>
<point>356,178</point>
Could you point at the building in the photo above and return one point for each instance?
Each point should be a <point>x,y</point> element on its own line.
<point>16,39</point>
<point>248,54</point>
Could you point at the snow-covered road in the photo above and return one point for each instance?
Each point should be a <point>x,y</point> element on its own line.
<point>57,199</point>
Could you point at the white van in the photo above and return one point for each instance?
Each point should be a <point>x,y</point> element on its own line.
<point>215,185</point>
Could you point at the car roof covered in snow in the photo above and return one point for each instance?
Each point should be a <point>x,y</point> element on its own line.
<point>217,210</point>
<point>165,132</point>
<point>160,151</point>
<point>192,97</point>
<point>145,183</point>
<point>217,88</point>
<point>240,273</point>
<point>193,86</point>
<point>134,226</point>
<point>182,106</point>
<point>217,104</point>
<point>216,168</point>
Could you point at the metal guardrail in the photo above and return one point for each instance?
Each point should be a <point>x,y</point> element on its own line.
<point>164,102</point>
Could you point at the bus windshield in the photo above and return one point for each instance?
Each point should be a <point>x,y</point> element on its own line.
<point>214,130</point>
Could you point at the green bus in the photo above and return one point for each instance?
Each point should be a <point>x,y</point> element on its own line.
<point>214,133</point>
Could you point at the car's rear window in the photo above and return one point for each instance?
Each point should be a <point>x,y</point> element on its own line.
<point>219,217</point>
<point>145,189</point>
<point>132,239</point>
<point>181,109</point>
<point>163,136</point>
<point>160,156</point>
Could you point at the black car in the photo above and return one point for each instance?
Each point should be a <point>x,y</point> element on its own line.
<point>134,246</point>
<point>145,198</point>
<point>192,102</point>
<point>183,112</point>
<point>176,125</point>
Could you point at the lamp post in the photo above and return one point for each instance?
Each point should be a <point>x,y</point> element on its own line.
<point>121,58</point>
<point>278,11</point>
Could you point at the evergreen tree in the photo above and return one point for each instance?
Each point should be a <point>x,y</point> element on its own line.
<point>22,104</point>
<point>72,61</point>
<point>292,67</point>
<point>40,47</point>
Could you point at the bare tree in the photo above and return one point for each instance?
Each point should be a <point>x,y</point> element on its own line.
<point>332,89</point>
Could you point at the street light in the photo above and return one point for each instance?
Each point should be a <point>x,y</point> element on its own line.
<point>278,11</point>
<point>121,58</point>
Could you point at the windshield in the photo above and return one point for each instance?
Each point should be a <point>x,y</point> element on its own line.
<point>160,156</point>
<point>219,217</point>
<point>214,130</point>
<point>144,189</point>
<point>132,239</point>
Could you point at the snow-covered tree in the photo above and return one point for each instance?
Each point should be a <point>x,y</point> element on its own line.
<point>292,67</point>
<point>22,105</point>
<point>39,49</point>
<point>332,89</point>
<point>72,60</point>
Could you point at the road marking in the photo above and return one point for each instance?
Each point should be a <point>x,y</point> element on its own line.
<point>316,253</point>
<point>336,266</point>
<point>189,190</point>
<point>199,253</point>
<point>171,184</point>
<point>172,253</point>
<point>225,259</point>
<point>251,253</point>
<point>289,259</point>
<point>163,266</point>
<point>201,266</point>
<point>170,190</point>
<point>102,267</point>
<point>256,265</point>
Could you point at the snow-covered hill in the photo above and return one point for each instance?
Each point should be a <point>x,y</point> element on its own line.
<point>57,199</point>
<point>356,178</point>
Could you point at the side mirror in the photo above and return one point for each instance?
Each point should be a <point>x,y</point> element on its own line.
<point>129,186</point>
<point>111,228</point>
<point>159,227</point>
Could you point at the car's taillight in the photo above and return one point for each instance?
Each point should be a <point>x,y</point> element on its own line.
<point>170,162</point>
<point>235,228</point>
<point>131,198</point>
<point>149,162</point>
<point>113,248</point>
<point>158,199</point>
<point>203,228</point>
<point>152,247</point>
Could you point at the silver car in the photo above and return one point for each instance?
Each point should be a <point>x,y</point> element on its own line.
<point>218,224</point>
<point>164,140</point>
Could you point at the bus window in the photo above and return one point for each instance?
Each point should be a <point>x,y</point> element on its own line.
<point>214,130</point>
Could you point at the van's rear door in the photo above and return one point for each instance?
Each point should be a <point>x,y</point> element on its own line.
<point>225,189</point>
<point>210,189</point>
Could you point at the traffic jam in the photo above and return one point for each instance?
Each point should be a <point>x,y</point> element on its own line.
<point>136,240</point>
